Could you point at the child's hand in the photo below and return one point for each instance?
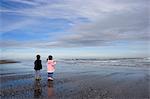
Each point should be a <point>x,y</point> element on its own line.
<point>54,62</point>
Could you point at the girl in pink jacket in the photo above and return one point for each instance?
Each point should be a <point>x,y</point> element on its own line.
<point>50,67</point>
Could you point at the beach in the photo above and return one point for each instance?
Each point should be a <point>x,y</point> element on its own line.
<point>80,80</point>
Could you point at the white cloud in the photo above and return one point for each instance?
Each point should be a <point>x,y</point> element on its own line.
<point>125,24</point>
<point>28,2</point>
<point>109,20</point>
<point>16,25</point>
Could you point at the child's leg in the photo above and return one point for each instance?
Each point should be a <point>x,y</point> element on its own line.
<point>39,74</point>
<point>36,74</point>
<point>50,75</point>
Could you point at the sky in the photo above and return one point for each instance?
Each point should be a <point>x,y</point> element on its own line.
<point>74,28</point>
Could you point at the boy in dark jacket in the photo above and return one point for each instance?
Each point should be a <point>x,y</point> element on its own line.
<point>37,67</point>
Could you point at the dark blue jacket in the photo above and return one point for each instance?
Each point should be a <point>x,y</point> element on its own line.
<point>37,65</point>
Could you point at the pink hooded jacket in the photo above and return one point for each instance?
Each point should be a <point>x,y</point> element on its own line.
<point>51,65</point>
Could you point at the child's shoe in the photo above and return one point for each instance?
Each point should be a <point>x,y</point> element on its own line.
<point>38,78</point>
<point>50,79</point>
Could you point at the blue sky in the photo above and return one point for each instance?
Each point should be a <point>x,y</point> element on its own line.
<point>74,28</point>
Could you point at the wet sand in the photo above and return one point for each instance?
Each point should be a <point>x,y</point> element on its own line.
<point>132,84</point>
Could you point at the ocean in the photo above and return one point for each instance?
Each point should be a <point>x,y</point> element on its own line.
<point>76,65</point>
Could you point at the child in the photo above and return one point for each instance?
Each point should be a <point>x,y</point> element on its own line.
<point>50,67</point>
<point>37,67</point>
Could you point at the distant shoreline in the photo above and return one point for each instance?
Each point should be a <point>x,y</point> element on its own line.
<point>8,61</point>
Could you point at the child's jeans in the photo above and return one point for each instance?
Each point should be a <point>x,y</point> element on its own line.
<point>50,75</point>
<point>37,74</point>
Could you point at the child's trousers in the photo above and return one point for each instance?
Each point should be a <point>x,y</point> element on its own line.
<point>37,74</point>
<point>50,75</point>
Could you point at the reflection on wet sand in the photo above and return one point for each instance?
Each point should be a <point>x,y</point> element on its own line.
<point>37,89</point>
<point>50,90</point>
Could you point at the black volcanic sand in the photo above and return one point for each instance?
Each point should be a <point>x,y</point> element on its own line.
<point>84,85</point>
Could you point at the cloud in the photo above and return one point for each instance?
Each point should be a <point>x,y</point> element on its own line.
<point>129,24</point>
<point>107,21</point>
<point>24,2</point>
<point>15,25</point>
